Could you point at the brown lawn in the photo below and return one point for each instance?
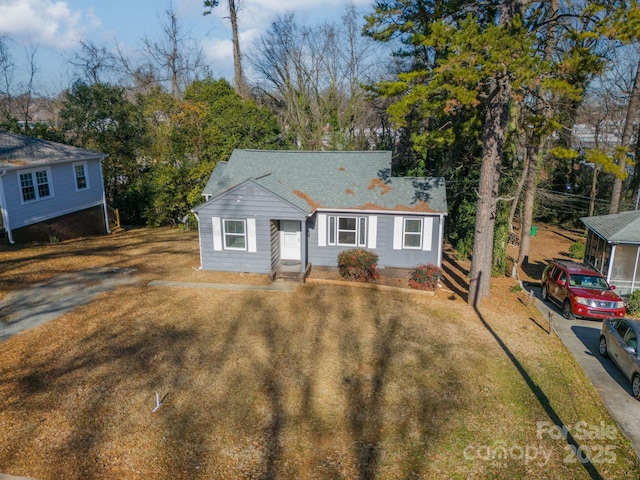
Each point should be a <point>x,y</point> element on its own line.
<point>324,382</point>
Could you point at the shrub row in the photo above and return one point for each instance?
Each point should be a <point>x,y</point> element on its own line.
<point>360,265</point>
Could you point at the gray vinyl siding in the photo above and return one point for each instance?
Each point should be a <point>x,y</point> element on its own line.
<point>245,201</point>
<point>387,256</point>
<point>65,199</point>
<point>407,258</point>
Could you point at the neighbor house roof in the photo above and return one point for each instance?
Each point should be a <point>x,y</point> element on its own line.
<point>20,151</point>
<point>622,227</point>
<point>330,180</point>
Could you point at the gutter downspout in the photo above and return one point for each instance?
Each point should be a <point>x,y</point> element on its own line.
<point>612,258</point>
<point>440,240</point>
<point>104,198</point>
<point>199,238</point>
<point>3,210</point>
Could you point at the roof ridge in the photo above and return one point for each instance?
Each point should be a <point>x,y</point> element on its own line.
<point>629,225</point>
<point>342,152</point>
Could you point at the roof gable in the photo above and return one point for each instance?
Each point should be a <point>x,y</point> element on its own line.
<point>20,151</point>
<point>330,180</point>
<point>622,227</point>
<point>249,181</point>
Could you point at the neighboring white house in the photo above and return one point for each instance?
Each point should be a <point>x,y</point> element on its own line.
<point>613,248</point>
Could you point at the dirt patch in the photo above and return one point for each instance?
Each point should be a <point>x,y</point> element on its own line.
<point>550,242</point>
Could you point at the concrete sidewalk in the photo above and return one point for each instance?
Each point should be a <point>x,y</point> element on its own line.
<point>274,287</point>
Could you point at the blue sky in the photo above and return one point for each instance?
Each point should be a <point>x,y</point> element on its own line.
<point>56,27</point>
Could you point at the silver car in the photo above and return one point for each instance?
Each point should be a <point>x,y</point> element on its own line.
<point>619,341</point>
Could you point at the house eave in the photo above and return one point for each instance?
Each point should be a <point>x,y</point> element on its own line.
<point>10,165</point>
<point>380,212</point>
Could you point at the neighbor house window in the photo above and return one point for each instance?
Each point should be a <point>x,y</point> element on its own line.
<point>80,172</point>
<point>348,231</point>
<point>412,233</point>
<point>35,185</point>
<point>235,234</point>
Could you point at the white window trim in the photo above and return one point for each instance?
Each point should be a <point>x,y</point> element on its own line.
<point>322,230</point>
<point>372,234</point>
<point>250,233</point>
<point>217,234</point>
<point>427,233</point>
<point>224,234</point>
<point>333,232</point>
<point>86,176</point>
<point>34,179</point>
<point>419,233</point>
<point>361,230</point>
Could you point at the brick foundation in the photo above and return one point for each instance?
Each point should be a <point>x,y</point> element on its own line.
<point>78,224</point>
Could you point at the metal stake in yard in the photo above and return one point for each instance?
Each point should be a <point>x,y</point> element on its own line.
<point>158,402</point>
<point>550,322</point>
<point>530,299</point>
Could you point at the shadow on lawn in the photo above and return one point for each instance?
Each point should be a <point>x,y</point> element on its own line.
<point>106,251</point>
<point>364,352</point>
<point>542,398</point>
<point>365,394</point>
<point>108,359</point>
<point>271,374</point>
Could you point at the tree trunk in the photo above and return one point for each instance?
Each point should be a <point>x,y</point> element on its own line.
<point>493,145</point>
<point>537,142</point>
<point>533,153</point>
<point>514,205</point>
<point>632,108</point>
<point>594,186</point>
<point>493,139</point>
<point>240,86</point>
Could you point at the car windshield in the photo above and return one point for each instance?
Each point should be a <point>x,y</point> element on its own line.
<point>588,281</point>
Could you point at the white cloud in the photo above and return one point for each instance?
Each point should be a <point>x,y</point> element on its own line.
<point>218,49</point>
<point>48,23</point>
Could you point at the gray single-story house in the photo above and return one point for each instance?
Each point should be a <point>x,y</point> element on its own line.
<point>613,248</point>
<point>41,181</point>
<point>268,211</point>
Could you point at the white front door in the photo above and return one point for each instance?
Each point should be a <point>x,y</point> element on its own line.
<point>289,240</point>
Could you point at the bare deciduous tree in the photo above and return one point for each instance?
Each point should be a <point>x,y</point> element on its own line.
<point>175,59</point>
<point>625,142</point>
<point>94,62</point>
<point>7,68</point>
<point>314,77</point>
<point>241,87</point>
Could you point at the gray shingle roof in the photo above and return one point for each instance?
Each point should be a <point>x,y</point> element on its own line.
<point>19,151</point>
<point>330,180</point>
<point>622,227</point>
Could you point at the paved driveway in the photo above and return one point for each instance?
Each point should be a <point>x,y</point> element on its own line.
<point>42,302</point>
<point>581,337</point>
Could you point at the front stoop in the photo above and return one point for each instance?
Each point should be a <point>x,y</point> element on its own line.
<point>288,275</point>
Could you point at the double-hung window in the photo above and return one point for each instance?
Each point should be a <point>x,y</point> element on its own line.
<point>412,233</point>
<point>235,234</point>
<point>348,231</point>
<point>80,173</point>
<point>35,184</point>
